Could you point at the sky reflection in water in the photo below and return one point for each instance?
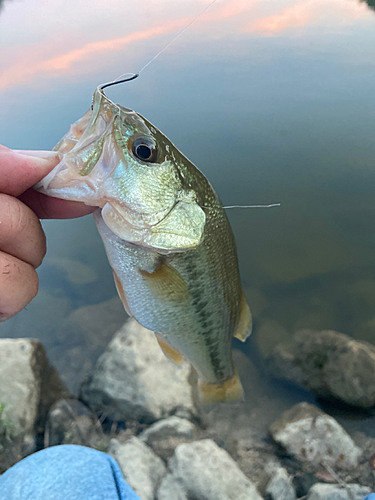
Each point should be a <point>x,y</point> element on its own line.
<point>273,101</point>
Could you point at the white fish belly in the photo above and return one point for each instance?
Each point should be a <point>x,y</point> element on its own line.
<point>199,327</point>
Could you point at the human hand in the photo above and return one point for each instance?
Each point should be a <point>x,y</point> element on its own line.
<point>22,240</point>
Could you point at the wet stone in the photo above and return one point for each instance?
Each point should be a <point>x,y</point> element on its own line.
<point>335,492</point>
<point>134,380</point>
<point>71,422</point>
<point>207,472</point>
<point>140,467</point>
<point>315,438</point>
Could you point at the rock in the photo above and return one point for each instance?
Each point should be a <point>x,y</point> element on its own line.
<point>330,364</point>
<point>314,437</point>
<point>168,427</point>
<point>253,458</point>
<point>134,380</point>
<point>141,468</point>
<point>321,491</point>
<point>71,422</point>
<point>29,386</point>
<point>207,472</point>
<point>171,489</point>
<point>280,485</point>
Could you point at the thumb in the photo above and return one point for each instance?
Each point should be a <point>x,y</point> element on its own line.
<point>21,170</point>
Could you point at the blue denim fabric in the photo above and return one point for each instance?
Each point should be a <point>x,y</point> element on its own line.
<point>66,472</point>
<point>371,496</point>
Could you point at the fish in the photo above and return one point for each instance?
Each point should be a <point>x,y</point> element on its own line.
<point>166,235</point>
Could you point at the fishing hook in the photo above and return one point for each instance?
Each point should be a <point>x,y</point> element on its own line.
<point>115,82</point>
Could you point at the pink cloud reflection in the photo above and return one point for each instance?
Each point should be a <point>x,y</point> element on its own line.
<point>32,63</point>
<point>23,70</point>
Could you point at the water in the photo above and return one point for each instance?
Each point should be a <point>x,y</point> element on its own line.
<point>273,101</point>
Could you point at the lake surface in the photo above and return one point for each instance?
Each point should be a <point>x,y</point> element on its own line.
<point>273,101</point>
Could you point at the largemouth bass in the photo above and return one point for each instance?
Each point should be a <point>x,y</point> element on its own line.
<point>167,238</point>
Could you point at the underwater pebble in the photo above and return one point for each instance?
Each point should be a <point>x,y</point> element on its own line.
<point>315,437</point>
<point>166,428</point>
<point>321,491</point>
<point>207,472</point>
<point>171,489</point>
<point>280,485</point>
<point>71,422</point>
<point>139,465</point>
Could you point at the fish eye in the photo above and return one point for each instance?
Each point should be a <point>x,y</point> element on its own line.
<point>145,149</point>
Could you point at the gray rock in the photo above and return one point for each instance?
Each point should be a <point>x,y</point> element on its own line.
<point>280,485</point>
<point>166,428</point>
<point>330,364</point>
<point>321,491</point>
<point>141,468</point>
<point>29,385</point>
<point>171,489</point>
<point>207,472</point>
<point>253,458</point>
<point>134,380</point>
<point>313,436</point>
<point>71,422</point>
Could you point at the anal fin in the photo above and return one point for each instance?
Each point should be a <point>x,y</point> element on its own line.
<point>245,322</point>
<point>226,392</point>
<point>171,353</point>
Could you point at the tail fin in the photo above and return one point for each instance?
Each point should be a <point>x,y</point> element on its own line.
<point>226,392</point>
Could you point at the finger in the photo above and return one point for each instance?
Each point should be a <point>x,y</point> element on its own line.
<point>19,172</point>
<point>47,207</point>
<point>21,233</point>
<point>18,285</point>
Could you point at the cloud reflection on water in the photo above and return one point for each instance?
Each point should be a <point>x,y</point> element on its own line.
<point>27,62</point>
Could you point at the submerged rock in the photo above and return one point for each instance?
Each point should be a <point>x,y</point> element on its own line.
<point>280,485</point>
<point>315,438</point>
<point>71,422</point>
<point>166,428</point>
<point>171,489</point>
<point>206,472</point>
<point>139,465</point>
<point>134,380</point>
<point>335,492</point>
<point>328,363</point>
<point>29,386</point>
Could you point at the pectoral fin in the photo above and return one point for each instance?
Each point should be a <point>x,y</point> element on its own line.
<point>166,283</point>
<point>171,353</point>
<point>121,293</point>
<point>245,322</point>
<point>227,392</point>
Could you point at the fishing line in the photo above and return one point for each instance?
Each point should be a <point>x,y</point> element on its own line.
<point>133,76</point>
<point>244,206</point>
<point>254,206</point>
<point>178,35</point>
